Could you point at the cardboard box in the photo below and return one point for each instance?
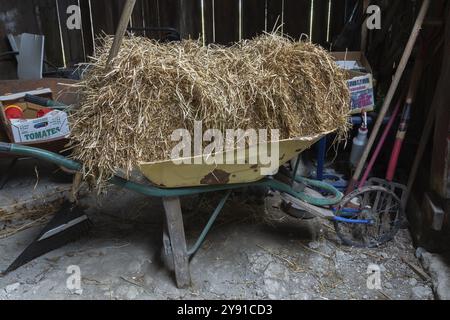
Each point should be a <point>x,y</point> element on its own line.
<point>31,130</point>
<point>53,125</point>
<point>359,79</point>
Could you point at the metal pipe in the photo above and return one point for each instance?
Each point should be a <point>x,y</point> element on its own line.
<point>208,226</point>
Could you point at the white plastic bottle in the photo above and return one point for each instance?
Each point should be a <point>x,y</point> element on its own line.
<point>359,143</point>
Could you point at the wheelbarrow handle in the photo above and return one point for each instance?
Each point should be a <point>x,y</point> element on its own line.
<point>21,150</point>
<point>5,147</point>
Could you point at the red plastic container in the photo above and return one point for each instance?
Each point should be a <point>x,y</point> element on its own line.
<point>42,112</point>
<point>13,112</point>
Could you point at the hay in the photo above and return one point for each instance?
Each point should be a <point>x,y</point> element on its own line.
<point>127,114</point>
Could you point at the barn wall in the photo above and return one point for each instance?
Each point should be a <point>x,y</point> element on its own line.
<point>219,21</point>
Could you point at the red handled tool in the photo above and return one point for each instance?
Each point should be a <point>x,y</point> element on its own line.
<point>403,127</point>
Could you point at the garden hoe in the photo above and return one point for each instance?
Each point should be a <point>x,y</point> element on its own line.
<point>69,224</point>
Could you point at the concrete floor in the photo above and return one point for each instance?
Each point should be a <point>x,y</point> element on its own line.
<point>253,252</point>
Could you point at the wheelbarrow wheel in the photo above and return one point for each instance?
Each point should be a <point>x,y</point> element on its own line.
<point>377,205</point>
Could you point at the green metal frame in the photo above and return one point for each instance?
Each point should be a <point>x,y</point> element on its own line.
<point>153,191</point>
<point>202,236</point>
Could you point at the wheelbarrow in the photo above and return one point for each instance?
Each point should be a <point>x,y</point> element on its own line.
<point>367,217</point>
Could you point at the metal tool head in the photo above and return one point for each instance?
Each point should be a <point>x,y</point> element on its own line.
<point>68,224</point>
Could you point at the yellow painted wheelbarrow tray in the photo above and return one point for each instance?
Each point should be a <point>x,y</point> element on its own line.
<point>168,174</point>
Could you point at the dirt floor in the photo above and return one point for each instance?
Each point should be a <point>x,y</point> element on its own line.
<point>253,252</point>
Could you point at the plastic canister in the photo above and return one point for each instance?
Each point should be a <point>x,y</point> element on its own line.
<point>359,143</point>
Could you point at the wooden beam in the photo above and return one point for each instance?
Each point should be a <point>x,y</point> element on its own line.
<point>440,161</point>
<point>175,229</point>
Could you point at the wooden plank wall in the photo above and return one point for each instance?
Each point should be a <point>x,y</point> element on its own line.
<point>219,21</point>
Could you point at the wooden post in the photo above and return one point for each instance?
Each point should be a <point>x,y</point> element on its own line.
<point>440,159</point>
<point>175,229</point>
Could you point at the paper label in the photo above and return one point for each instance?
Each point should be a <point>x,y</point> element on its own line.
<point>361,90</point>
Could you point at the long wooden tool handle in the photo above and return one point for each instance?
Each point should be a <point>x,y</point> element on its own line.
<point>420,150</point>
<point>390,95</point>
<point>415,78</point>
<point>401,132</point>
<point>121,28</point>
<point>364,30</point>
<point>120,32</point>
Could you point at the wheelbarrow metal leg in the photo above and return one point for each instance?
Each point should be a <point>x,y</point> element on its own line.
<point>175,230</point>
